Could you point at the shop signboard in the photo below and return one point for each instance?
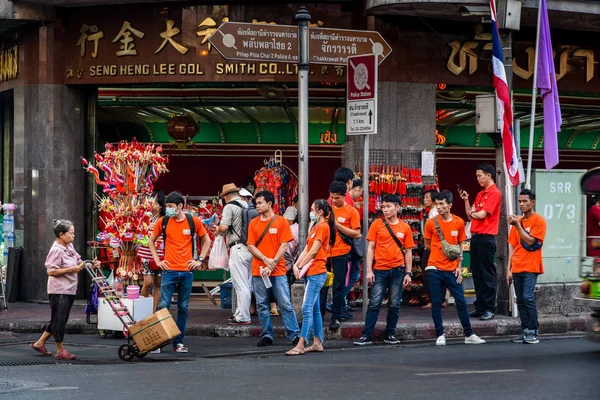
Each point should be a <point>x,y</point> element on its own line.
<point>361,95</point>
<point>336,46</point>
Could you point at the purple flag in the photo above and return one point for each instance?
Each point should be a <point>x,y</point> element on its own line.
<point>546,82</point>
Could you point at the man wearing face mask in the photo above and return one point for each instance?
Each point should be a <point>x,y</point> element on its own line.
<point>180,232</point>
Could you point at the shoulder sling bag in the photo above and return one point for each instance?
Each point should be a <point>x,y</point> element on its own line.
<point>534,247</point>
<point>389,228</point>
<point>451,251</point>
<point>260,239</point>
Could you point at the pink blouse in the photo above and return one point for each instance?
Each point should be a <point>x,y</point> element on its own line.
<point>59,257</point>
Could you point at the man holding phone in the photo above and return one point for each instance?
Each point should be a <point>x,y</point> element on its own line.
<point>484,215</point>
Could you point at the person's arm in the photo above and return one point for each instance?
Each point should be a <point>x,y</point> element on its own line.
<point>427,244</point>
<point>162,264</point>
<point>523,235</point>
<point>482,214</point>
<point>226,220</point>
<point>301,258</point>
<point>509,275</point>
<point>205,242</point>
<point>351,233</point>
<point>65,271</point>
<point>256,253</point>
<point>468,208</point>
<point>458,270</point>
<point>370,256</point>
<point>280,254</point>
<point>310,255</point>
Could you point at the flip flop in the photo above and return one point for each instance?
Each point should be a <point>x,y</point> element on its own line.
<point>275,313</point>
<point>42,350</point>
<point>295,352</point>
<point>311,349</point>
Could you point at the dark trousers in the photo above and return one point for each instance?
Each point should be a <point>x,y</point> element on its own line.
<point>60,306</point>
<point>440,280</point>
<point>525,289</point>
<point>483,267</point>
<point>340,271</point>
<point>391,280</point>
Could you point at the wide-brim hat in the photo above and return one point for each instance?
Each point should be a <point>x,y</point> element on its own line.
<point>229,188</point>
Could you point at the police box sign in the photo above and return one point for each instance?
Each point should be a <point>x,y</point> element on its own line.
<point>361,95</point>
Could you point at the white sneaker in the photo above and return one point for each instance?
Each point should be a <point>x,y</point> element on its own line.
<point>474,339</point>
<point>441,341</point>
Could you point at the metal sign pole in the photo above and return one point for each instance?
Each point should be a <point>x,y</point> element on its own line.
<point>365,289</point>
<point>303,73</point>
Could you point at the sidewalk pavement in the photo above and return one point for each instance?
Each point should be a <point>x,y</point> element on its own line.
<point>210,321</point>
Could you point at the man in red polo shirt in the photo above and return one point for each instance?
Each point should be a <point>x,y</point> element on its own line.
<point>484,215</point>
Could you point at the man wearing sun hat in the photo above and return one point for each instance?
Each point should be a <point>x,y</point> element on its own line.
<point>240,259</point>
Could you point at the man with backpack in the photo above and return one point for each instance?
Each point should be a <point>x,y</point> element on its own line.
<point>237,214</point>
<point>180,232</point>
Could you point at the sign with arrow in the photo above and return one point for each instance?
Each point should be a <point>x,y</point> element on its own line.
<point>361,95</point>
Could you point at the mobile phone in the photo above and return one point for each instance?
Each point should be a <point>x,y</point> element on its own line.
<point>460,189</point>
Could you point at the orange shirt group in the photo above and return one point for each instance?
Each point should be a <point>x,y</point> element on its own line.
<point>319,232</point>
<point>387,253</point>
<point>279,232</point>
<point>454,233</point>
<point>348,217</point>
<point>524,260</point>
<point>178,246</point>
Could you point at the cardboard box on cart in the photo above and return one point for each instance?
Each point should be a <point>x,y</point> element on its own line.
<point>155,330</point>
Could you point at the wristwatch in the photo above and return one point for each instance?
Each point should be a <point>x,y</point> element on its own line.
<point>409,273</point>
<point>201,259</point>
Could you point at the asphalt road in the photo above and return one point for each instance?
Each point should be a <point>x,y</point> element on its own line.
<point>557,368</point>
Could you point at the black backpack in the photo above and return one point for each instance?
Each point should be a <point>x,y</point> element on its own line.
<point>190,221</point>
<point>248,214</point>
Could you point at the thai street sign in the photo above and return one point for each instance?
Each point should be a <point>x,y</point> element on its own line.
<point>334,46</point>
<point>279,43</point>
<point>256,42</point>
<point>361,95</point>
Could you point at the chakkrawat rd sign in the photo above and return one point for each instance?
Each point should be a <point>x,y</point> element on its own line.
<point>279,43</point>
<point>361,95</point>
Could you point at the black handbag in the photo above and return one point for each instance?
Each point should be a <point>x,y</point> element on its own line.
<point>357,250</point>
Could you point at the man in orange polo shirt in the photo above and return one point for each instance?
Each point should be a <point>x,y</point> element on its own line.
<point>525,263</point>
<point>268,238</point>
<point>484,215</point>
<point>390,247</point>
<point>443,272</point>
<point>182,232</point>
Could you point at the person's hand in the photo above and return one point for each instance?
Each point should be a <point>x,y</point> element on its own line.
<point>458,275</point>
<point>407,280</point>
<point>370,277</point>
<point>296,271</point>
<point>194,264</point>
<point>270,263</point>
<point>77,268</point>
<point>265,272</point>
<point>513,220</point>
<point>463,195</point>
<point>97,264</point>
<point>509,277</point>
<point>164,265</point>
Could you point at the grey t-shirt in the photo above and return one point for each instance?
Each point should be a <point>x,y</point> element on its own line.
<point>232,217</point>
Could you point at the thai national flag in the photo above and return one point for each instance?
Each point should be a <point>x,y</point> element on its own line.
<point>504,102</point>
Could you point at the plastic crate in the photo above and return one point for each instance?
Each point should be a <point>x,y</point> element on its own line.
<point>225,293</point>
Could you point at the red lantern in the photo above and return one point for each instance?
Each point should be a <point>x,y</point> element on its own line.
<point>182,128</point>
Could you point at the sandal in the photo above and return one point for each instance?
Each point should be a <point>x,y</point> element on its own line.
<point>428,305</point>
<point>42,350</point>
<point>274,313</point>
<point>295,352</point>
<point>65,355</point>
<point>312,349</point>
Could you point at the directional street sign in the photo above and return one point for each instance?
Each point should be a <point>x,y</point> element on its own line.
<point>256,42</point>
<point>335,46</point>
<point>361,95</point>
<point>279,43</point>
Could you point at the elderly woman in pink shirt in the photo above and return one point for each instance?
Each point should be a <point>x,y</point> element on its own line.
<point>63,264</point>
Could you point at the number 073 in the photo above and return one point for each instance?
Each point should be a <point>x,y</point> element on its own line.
<point>559,211</point>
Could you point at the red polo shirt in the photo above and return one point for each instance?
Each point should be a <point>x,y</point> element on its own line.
<point>488,200</point>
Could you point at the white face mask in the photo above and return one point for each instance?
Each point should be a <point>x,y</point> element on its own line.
<point>171,211</point>
<point>314,217</point>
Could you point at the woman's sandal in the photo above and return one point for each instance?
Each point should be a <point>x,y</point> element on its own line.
<point>42,350</point>
<point>295,352</point>
<point>312,349</point>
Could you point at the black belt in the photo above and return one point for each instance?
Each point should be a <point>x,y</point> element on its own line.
<point>235,243</point>
<point>482,234</point>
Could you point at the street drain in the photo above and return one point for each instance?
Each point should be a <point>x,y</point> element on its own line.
<point>26,363</point>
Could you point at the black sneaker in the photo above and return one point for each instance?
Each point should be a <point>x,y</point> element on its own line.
<point>346,315</point>
<point>391,339</point>
<point>265,342</point>
<point>531,338</point>
<point>363,341</point>
<point>335,324</point>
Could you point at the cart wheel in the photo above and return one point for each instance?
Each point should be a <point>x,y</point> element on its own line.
<point>126,352</point>
<point>139,354</point>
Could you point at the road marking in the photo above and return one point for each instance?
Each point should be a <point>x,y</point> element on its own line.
<point>493,371</point>
<point>59,388</point>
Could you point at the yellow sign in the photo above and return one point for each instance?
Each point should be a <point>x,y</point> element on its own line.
<point>9,63</point>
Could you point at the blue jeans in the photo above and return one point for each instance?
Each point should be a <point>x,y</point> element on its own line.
<point>182,281</point>
<point>438,282</point>
<point>391,280</point>
<point>340,270</point>
<point>281,291</point>
<point>525,290</point>
<point>354,277</point>
<point>311,307</point>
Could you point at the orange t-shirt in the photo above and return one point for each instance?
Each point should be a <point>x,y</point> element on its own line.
<point>321,233</point>
<point>279,232</point>
<point>348,217</point>
<point>488,200</point>
<point>454,233</point>
<point>523,260</point>
<point>387,253</point>
<point>178,246</point>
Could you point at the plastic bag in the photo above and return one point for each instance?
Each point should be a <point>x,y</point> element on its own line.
<point>219,259</point>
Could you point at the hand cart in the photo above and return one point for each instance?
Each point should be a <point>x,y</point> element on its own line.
<point>126,352</point>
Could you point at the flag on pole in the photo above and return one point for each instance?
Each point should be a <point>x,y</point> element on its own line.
<point>546,82</point>
<point>504,102</point>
